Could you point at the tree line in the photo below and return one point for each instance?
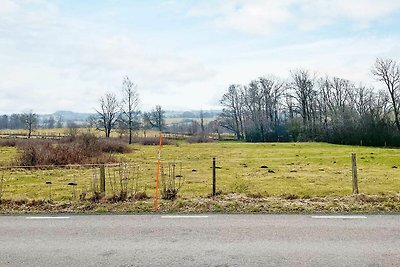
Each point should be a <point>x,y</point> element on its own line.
<point>311,108</point>
<point>115,112</point>
<point>123,115</point>
<point>304,108</point>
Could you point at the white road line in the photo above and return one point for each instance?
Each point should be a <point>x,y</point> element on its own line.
<point>184,216</point>
<point>44,218</point>
<point>339,217</point>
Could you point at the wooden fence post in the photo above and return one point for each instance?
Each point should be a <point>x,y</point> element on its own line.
<point>354,172</point>
<point>102,179</point>
<point>214,178</point>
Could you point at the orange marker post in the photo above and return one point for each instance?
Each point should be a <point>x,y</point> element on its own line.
<point>158,173</point>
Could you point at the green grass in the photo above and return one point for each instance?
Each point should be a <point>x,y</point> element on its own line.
<point>303,169</point>
<point>299,169</point>
<point>7,154</point>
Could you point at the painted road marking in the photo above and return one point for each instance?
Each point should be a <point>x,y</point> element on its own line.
<point>44,218</point>
<point>184,216</point>
<point>339,217</point>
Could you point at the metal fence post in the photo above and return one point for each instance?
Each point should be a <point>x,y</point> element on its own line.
<point>214,177</point>
<point>354,172</point>
<point>102,179</point>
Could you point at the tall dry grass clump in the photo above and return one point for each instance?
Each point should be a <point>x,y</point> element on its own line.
<point>199,139</point>
<point>8,142</point>
<point>83,149</point>
<point>150,141</point>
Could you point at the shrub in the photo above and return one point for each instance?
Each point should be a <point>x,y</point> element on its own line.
<point>171,181</point>
<point>28,157</point>
<point>113,146</point>
<point>49,153</point>
<point>8,142</point>
<point>199,139</point>
<point>152,141</point>
<point>84,149</point>
<point>140,196</point>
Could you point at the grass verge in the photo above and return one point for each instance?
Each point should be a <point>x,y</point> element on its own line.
<point>229,203</point>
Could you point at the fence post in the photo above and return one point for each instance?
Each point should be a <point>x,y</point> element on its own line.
<point>214,177</point>
<point>354,172</point>
<point>102,179</point>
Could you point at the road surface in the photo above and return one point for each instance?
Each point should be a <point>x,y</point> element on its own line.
<point>201,240</point>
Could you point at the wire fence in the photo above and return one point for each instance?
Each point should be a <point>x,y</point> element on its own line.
<point>303,175</point>
<point>70,182</point>
<point>73,182</point>
<point>24,135</point>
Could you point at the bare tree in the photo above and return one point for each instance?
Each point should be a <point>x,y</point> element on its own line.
<point>72,129</point>
<point>214,127</point>
<point>202,122</point>
<point>59,122</point>
<point>388,71</point>
<point>130,106</point>
<point>232,116</point>
<point>30,120</point>
<point>91,122</point>
<point>193,127</point>
<point>272,90</point>
<point>4,122</point>
<point>108,113</point>
<point>155,118</point>
<point>50,122</point>
<point>262,100</point>
<point>305,95</point>
<point>121,127</point>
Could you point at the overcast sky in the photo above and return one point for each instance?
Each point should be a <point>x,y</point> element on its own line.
<point>66,54</point>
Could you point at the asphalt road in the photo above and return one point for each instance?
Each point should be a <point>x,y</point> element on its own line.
<point>205,240</point>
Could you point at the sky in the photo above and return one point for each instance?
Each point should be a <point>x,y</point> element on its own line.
<point>183,54</point>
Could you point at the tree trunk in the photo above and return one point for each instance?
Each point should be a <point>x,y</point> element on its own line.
<point>130,132</point>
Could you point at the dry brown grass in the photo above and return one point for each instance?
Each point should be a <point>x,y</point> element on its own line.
<point>150,141</point>
<point>83,149</point>
<point>230,203</point>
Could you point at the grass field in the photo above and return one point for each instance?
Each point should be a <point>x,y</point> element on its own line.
<point>290,170</point>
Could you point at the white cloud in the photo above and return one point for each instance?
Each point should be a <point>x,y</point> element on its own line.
<point>348,58</point>
<point>54,62</point>
<point>258,17</point>
<point>119,53</point>
<point>7,7</point>
<point>317,13</point>
<point>267,16</point>
<point>358,9</point>
<point>252,16</point>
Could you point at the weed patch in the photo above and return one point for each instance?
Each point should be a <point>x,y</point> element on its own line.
<point>150,141</point>
<point>84,149</point>
<point>199,139</point>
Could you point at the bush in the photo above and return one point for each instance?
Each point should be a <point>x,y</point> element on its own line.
<point>140,196</point>
<point>84,149</point>
<point>113,146</point>
<point>49,153</point>
<point>199,139</point>
<point>8,142</point>
<point>152,141</point>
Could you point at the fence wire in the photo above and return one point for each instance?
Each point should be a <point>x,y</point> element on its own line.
<point>313,174</point>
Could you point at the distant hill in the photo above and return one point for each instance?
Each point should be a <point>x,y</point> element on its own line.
<point>67,116</point>
<point>192,114</point>
<point>72,116</point>
<point>79,118</point>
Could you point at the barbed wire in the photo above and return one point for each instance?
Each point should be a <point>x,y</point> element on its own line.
<point>191,161</point>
